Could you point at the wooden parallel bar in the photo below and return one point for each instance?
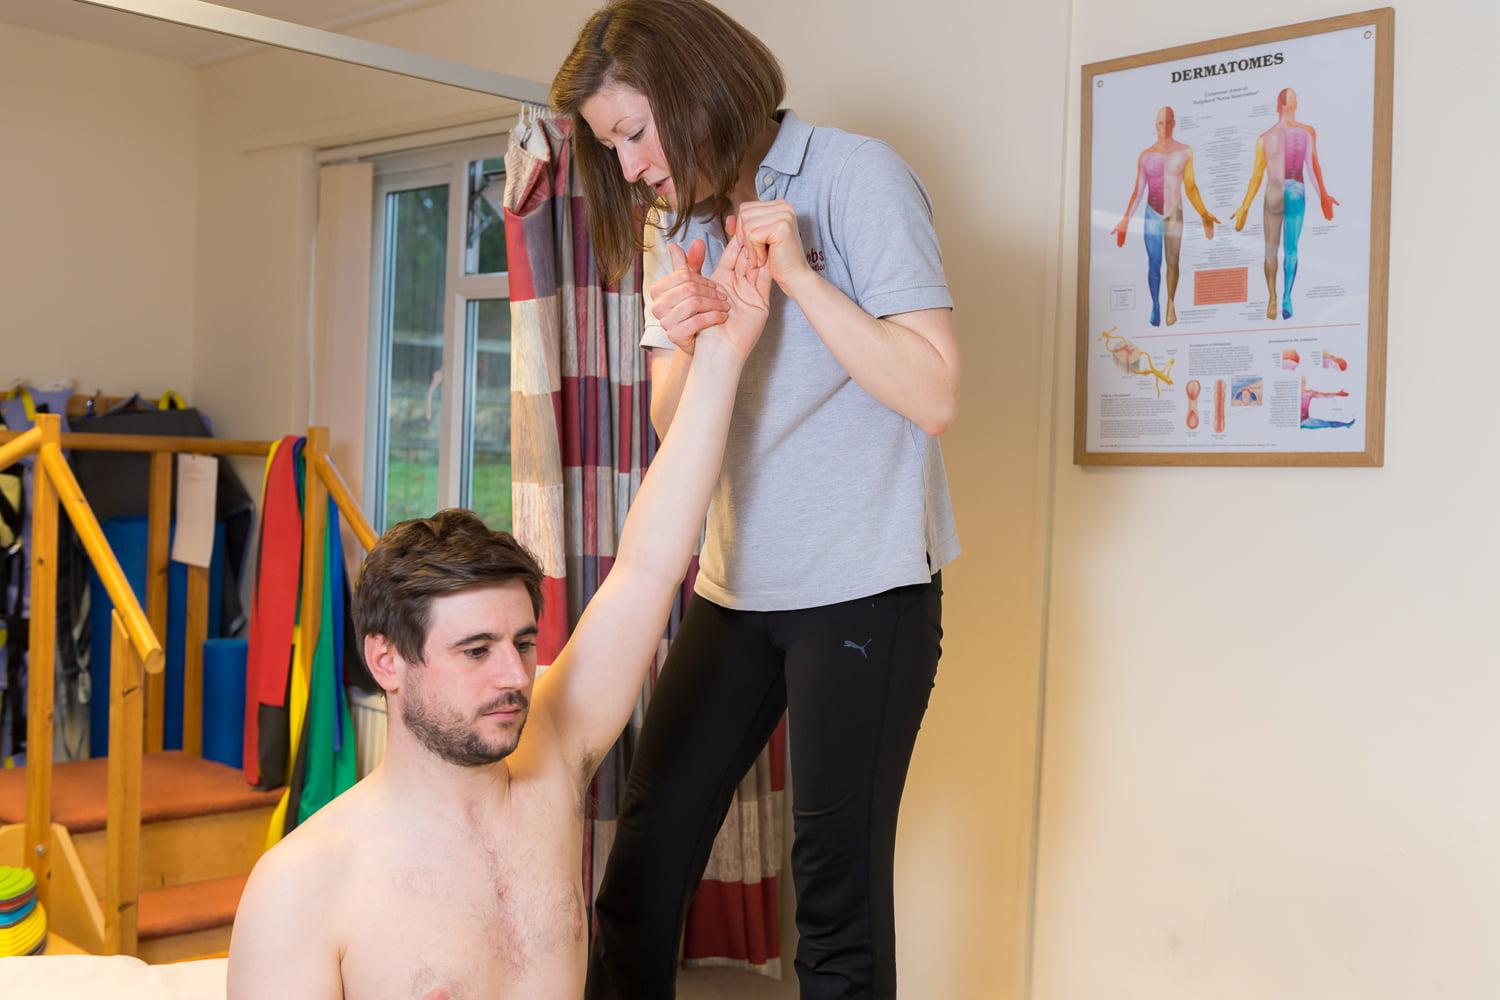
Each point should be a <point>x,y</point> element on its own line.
<point>314,525</point>
<point>192,661</point>
<point>123,821</point>
<point>158,537</point>
<point>18,445</point>
<point>147,646</point>
<point>154,443</point>
<point>41,665</point>
<point>339,490</point>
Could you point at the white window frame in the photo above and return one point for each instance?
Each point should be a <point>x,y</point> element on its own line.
<point>429,167</point>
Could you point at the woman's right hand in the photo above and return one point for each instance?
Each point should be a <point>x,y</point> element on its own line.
<point>686,301</point>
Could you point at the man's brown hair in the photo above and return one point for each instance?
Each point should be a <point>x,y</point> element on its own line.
<point>712,87</point>
<point>420,559</point>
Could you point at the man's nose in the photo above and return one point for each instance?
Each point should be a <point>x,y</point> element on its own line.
<point>510,668</point>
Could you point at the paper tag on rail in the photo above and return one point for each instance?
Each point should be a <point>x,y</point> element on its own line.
<point>197,496</point>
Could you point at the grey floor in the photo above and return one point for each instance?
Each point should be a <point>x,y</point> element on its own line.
<point>733,984</point>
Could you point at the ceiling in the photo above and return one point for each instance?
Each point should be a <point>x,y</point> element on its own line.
<point>191,46</point>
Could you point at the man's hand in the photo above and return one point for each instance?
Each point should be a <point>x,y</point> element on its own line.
<point>1239,219</point>
<point>685,301</point>
<point>748,289</point>
<point>1209,221</point>
<point>1120,230</point>
<point>1328,202</point>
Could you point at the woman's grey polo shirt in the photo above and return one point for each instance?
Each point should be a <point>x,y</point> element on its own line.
<point>826,494</point>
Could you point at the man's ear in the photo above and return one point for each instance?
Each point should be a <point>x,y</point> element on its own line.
<point>384,662</point>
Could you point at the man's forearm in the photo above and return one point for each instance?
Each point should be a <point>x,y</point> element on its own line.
<point>666,518</point>
<point>666,391</point>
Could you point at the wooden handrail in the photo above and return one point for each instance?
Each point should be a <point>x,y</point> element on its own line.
<point>339,490</point>
<point>41,659</point>
<point>122,831</point>
<point>152,442</point>
<point>18,445</point>
<point>192,661</point>
<point>158,566</point>
<point>146,644</point>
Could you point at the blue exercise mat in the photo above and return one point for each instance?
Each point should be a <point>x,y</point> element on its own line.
<point>127,537</point>
<point>224,701</point>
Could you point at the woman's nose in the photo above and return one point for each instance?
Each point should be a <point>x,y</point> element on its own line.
<point>632,165</point>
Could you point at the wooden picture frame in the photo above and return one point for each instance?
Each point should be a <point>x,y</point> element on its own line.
<point>1245,300</point>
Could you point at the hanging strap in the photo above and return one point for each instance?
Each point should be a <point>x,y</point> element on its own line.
<point>273,611</point>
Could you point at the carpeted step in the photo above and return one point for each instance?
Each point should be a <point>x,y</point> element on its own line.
<point>194,906</point>
<point>173,786</point>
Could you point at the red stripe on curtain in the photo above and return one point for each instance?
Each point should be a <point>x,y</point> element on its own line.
<point>733,920</point>
<point>552,630</point>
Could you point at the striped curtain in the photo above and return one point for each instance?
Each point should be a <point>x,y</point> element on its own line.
<point>581,440</point>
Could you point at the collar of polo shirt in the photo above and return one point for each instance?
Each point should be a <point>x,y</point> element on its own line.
<point>789,148</point>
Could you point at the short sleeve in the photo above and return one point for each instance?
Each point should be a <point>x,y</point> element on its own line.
<point>656,263</point>
<point>882,227</point>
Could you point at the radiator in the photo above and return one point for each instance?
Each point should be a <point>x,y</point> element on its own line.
<point>368,710</point>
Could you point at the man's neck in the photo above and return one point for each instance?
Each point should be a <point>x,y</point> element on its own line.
<point>417,775</point>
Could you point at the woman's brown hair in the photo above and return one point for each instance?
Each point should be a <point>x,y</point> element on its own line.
<point>712,87</point>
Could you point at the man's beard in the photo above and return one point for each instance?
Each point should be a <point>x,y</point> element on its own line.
<point>451,738</point>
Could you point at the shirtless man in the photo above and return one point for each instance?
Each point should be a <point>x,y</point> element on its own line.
<point>1166,167</point>
<point>453,870</point>
<point>1281,154</point>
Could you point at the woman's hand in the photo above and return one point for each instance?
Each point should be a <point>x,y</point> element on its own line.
<point>685,301</point>
<point>769,230</point>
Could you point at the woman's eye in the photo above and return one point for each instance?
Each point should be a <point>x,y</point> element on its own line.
<point>640,132</point>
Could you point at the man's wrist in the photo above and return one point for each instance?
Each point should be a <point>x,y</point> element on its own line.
<point>715,348</point>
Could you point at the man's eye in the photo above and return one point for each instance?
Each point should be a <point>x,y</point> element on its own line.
<point>525,646</point>
<point>476,652</point>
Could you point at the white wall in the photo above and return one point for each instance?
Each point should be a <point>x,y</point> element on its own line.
<point>99,174</point>
<point>1270,738</point>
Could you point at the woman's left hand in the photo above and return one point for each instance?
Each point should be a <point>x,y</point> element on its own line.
<point>769,230</point>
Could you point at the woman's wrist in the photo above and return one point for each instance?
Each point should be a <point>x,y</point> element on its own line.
<point>801,283</point>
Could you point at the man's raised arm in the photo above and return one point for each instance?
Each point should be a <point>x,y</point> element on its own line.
<point>589,692</point>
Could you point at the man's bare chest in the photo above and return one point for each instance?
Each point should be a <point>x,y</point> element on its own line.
<point>478,916</point>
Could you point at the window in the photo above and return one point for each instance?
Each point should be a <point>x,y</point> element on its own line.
<point>440,417</point>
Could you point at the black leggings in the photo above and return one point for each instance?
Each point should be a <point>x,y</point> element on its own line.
<point>856,677</point>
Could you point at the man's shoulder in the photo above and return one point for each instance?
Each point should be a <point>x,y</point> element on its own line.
<point>319,849</point>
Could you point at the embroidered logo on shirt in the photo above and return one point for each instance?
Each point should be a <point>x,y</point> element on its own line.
<point>817,261</point>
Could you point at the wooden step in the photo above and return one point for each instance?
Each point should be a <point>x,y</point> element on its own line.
<point>173,786</point>
<point>176,851</point>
